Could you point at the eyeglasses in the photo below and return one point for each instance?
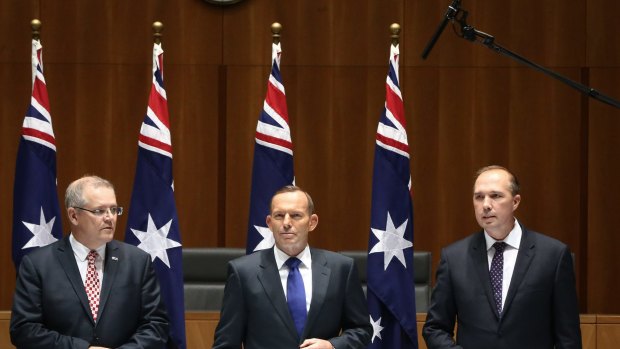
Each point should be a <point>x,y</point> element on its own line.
<point>100,212</point>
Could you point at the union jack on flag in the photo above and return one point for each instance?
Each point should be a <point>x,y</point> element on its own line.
<point>391,289</point>
<point>36,212</point>
<point>152,224</point>
<point>273,157</point>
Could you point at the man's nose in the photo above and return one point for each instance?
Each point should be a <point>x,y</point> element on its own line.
<point>486,203</point>
<point>287,220</point>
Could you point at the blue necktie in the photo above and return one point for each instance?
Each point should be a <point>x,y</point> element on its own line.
<point>296,294</point>
<point>497,274</point>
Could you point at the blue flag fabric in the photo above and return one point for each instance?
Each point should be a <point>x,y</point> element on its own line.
<point>273,157</point>
<point>391,289</point>
<point>152,223</point>
<point>36,213</point>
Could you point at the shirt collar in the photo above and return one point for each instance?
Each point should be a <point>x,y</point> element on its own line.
<point>81,251</point>
<point>281,257</point>
<point>513,239</point>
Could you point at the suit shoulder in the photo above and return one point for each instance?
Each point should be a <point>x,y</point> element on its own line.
<point>44,252</point>
<point>333,257</point>
<point>545,241</point>
<point>128,249</point>
<point>252,259</point>
<point>463,244</point>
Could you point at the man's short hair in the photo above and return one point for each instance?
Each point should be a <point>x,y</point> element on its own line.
<point>515,187</point>
<point>292,189</point>
<point>74,195</point>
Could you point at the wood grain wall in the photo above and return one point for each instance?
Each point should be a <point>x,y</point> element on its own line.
<point>466,107</point>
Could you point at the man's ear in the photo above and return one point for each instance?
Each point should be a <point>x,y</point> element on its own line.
<point>515,202</point>
<point>314,221</point>
<point>268,221</point>
<point>72,214</point>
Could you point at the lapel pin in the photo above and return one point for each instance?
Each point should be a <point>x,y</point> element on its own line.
<point>114,258</point>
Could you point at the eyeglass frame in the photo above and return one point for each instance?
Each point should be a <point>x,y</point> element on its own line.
<point>99,212</point>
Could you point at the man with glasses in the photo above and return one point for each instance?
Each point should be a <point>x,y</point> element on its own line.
<point>88,290</point>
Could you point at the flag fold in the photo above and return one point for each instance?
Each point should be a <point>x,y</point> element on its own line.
<point>36,212</point>
<point>152,223</point>
<point>391,290</point>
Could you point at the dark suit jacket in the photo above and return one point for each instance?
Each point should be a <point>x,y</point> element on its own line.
<point>540,310</point>
<point>255,312</point>
<point>50,307</point>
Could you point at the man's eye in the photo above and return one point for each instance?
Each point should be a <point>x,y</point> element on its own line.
<point>98,212</point>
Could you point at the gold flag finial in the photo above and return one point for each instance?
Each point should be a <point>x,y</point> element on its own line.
<point>275,30</point>
<point>158,27</point>
<point>395,29</point>
<point>35,24</point>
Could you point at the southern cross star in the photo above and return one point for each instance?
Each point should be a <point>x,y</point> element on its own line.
<point>155,241</point>
<point>42,232</point>
<point>391,242</point>
<point>376,329</point>
<point>268,239</point>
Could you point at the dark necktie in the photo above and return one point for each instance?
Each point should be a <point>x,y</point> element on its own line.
<point>497,274</point>
<point>296,294</point>
<point>92,284</point>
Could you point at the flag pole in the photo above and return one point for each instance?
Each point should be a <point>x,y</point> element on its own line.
<point>395,29</point>
<point>275,30</point>
<point>36,25</point>
<point>158,27</point>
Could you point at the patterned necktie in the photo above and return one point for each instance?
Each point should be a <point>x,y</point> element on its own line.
<point>497,274</point>
<point>296,294</point>
<point>92,284</point>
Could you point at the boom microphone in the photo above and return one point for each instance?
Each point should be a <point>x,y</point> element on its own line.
<point>450,14</point>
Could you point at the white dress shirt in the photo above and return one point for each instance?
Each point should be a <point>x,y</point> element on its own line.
<point>510,255</point>
<point>81,252</point>
<point>305,269</point>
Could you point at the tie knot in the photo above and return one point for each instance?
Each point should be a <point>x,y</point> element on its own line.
<point>499,246</point>
<point>293,262</point>
<point>92,256</point>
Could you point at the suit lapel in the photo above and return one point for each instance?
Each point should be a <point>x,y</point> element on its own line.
<point>320,282</point>
<point>269,277</point>
<point>110,270</point>
<point>524,259</point>
<point>481,264</point>
<point>65,256</point>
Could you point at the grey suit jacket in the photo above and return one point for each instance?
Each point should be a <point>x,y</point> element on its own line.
<point>50,307</point>
<point>255,313</point>
<point>540,311</point>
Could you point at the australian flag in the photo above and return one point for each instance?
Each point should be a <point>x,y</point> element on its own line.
<point>391,291</point>
<point>36,213</point>
<point>152,224</point>
<point>273,157</point>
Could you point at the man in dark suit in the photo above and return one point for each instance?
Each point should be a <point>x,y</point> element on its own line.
<point>259,310</point>
<point>506,286</point>
<point>88,290</point>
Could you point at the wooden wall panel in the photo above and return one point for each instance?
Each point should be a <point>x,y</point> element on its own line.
<point>602,33</point>
<point>335,148</point>
<point>549,33</point>
<point>246,89</point>
<point>195,99</point>
<point>603,188</point>
<point>319,32</point>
